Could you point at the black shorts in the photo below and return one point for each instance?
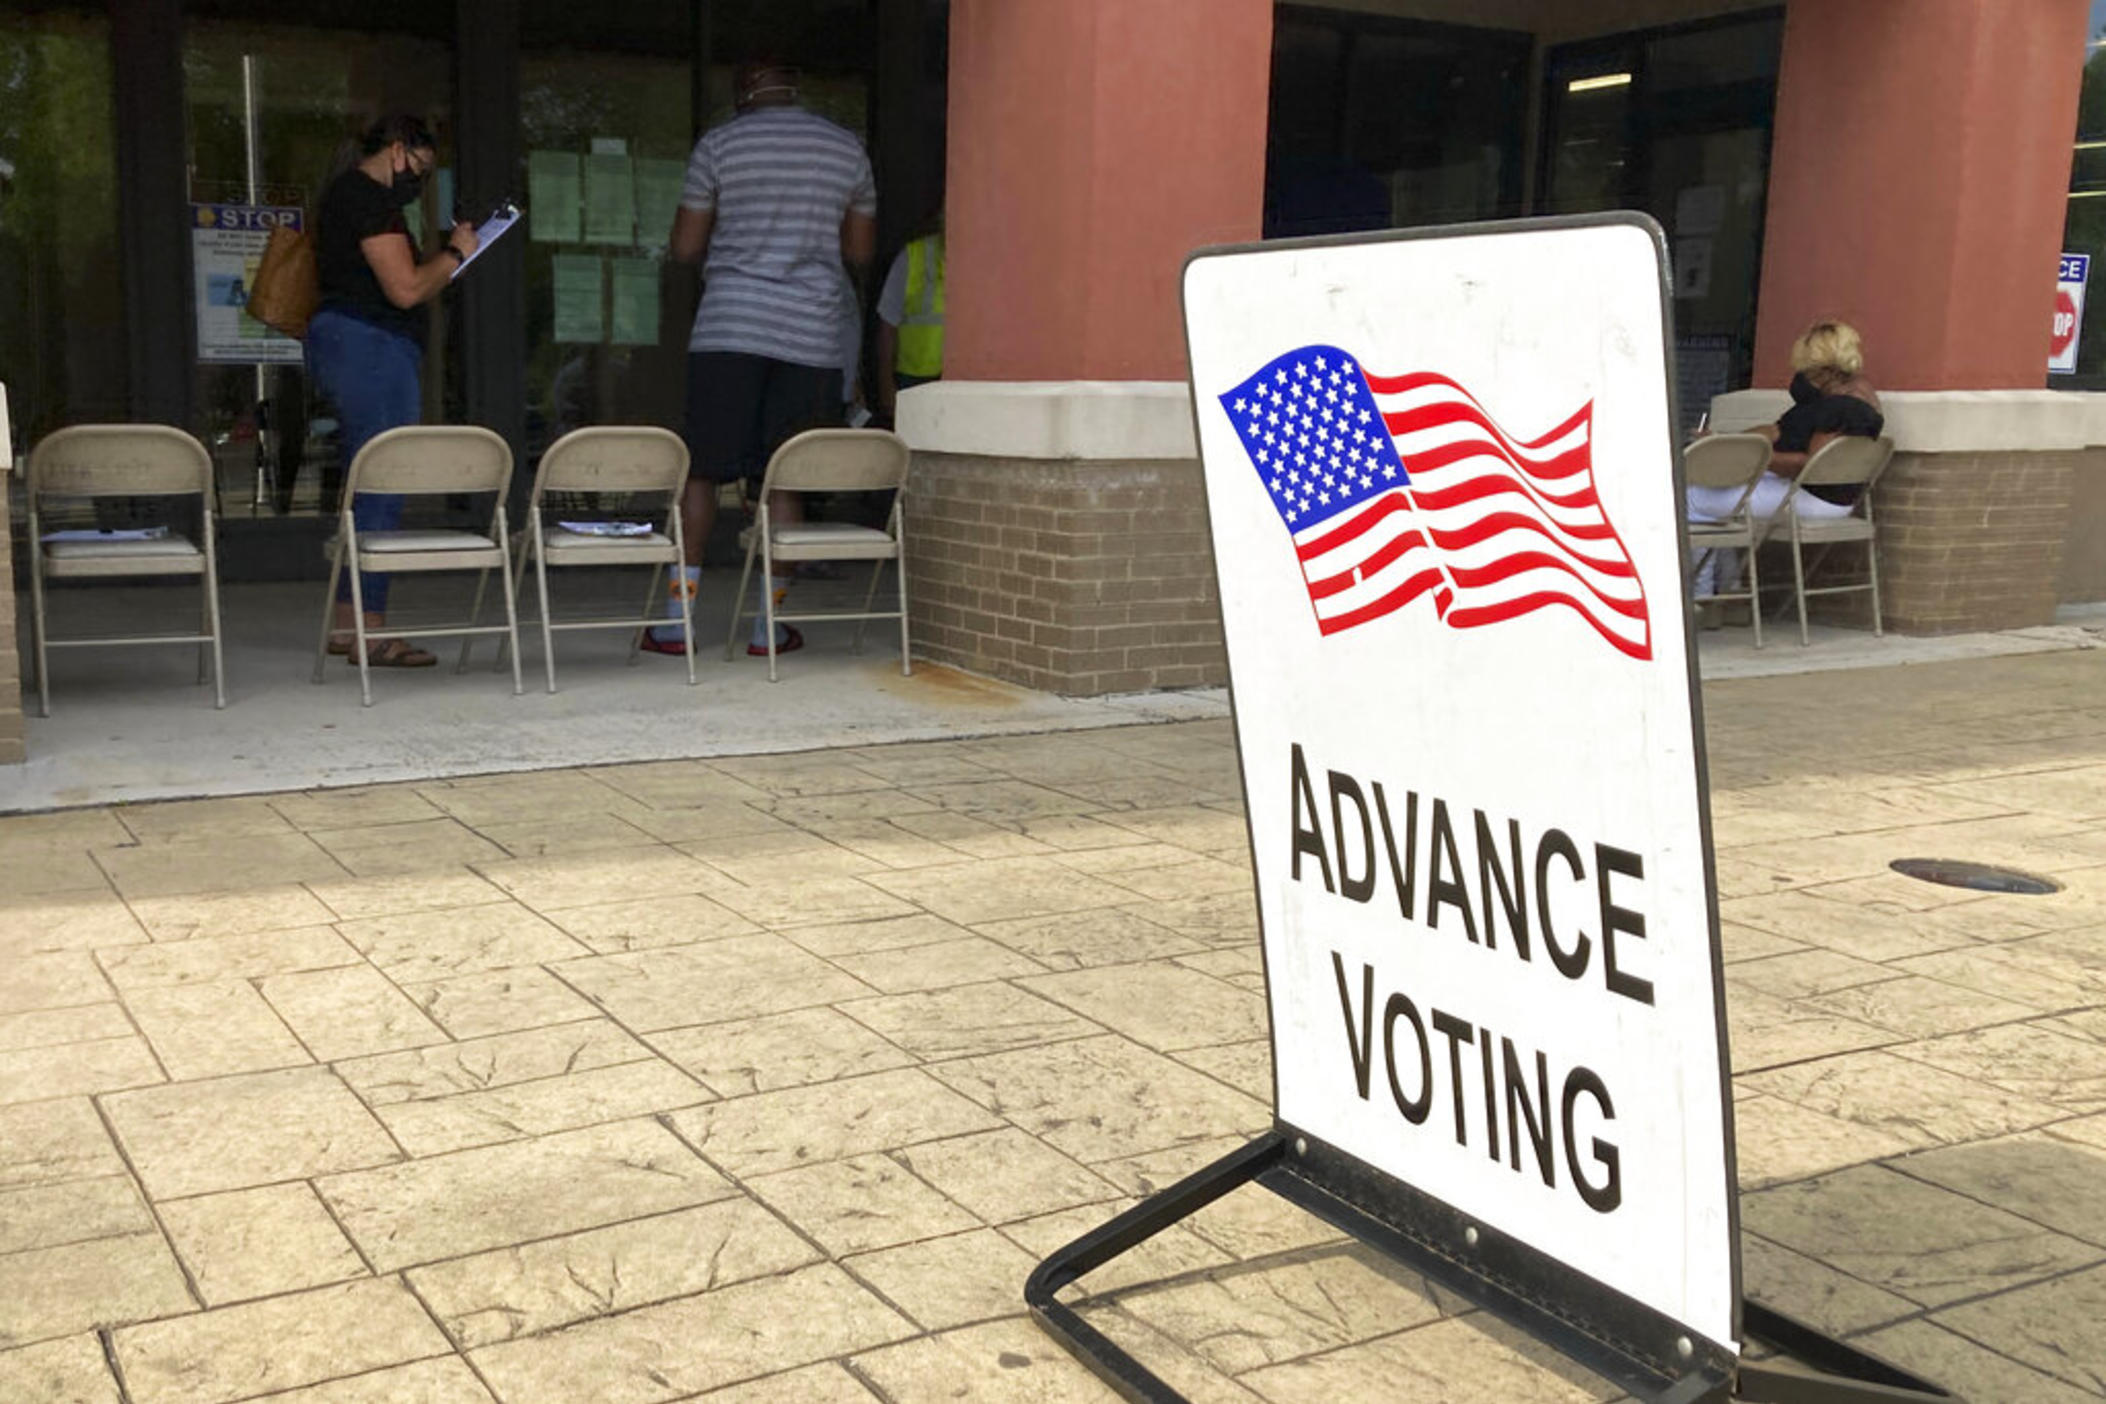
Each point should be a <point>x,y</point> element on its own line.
<point>742,407</point>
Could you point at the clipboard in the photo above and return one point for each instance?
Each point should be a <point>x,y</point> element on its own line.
<point>500,223</point>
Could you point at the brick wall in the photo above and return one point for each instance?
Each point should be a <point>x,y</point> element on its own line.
<point>11,747</point>
<point>1972,541</point>
<point>1080,577</point>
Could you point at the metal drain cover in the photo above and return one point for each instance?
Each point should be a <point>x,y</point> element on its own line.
<point>1980,877</point>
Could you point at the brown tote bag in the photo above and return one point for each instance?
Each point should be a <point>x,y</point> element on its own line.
<point>286,288</point>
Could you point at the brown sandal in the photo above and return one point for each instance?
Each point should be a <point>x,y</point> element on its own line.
<point>394,653</point>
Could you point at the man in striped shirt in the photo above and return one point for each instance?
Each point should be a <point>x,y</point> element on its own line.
<point>778,203</point>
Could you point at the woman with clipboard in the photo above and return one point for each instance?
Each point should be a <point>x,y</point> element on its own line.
<point>365,344</point>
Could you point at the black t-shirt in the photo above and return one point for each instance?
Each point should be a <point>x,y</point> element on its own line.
<point>1814,412</point>
<point>355,207</point>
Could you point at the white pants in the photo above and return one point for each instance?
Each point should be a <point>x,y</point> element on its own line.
<point>1712,504</point>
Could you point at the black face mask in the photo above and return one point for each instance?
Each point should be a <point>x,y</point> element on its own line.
<point>407,185</point>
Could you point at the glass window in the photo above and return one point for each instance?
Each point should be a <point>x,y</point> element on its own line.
<point>62,331</point>
<point>272,114</point>
<point>1379,123</point>
<point>2084,226</point>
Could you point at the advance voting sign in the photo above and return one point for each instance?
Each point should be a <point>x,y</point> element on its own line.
<point>1441,473</point>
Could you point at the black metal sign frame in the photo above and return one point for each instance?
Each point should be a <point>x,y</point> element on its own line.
<point>1635,1346</point>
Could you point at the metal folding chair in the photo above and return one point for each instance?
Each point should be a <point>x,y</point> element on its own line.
<point>123,460</point>
<point>1731,462</point>
<point>1842,462</point>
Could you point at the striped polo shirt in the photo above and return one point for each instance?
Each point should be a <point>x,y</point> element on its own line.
<point>780,180</point>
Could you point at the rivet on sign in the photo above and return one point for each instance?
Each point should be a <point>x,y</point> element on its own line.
<point>1684,1347</point>
<point>1301,1145</point>
<point>1469,1235</point>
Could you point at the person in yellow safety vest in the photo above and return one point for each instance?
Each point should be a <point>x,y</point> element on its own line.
<point>910,320</point>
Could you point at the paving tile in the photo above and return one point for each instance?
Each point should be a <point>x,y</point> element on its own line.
<point>1765,1031</point>
<point>71,1211</point>
<point>977,838</point>
<point>415,947</point>
<point>79,921</point>
<point>1245,1318</point>
<point>245,956</point>
<point>806,1125</point>
<point>2025,1059</point>
<point>813,1384</point>
<point>442,1380</point>
<point>70,1370</point>
<point>1922,1242</point>
<point>775,1051</point>
<point>1000,888</point>
<point>2052,1326</point>
<point>675,785</point>
<point>499,1060</point>
<point>259,1242</point>
<point>237,1352</point>
<point>1801,973</point>
<point>849,938</point>
<point>1456,1362</point>
<point>969,960</point>
<point>53,980</point>
<point>1918,1104</point>
<point>996,1362</point>
<point>885,844</point>
<point>28,873</point>
<point>781,856</point>
<point>590,879</point>
<point>1101,1098</point>
<point>46,1142</point>
<point>496,799</point>
<point>1844,928</point>
<point>950,1281</point>
<point>560,832</point>
<point>218,865</point>
<point>807,901</point>
<point>349,1012</point>
<point>356,899</point>
<point>1073,940</point>
<point>80,1023</point>
<point>57,1291</point>
<point>513,1292</point>
<point>1248,1226</point>
<point>187,821</point>
<point>254,1129</point>
<point>214,1028</point>
<point>438,1125</point>
<point>499,1001</point>
<point>475,1200</point>
<point>1162,1006</point>
<point>1006,1175</point>
<point>409,850</point>
<point>1918,1007</point>
<point>1970,1371</point>
<point>968,1021</point>
<point>684,1347</point>
<point>1247,1067</point>
<point>1187,826</point>
<point>704,818</point>
<point>738,977</point>
<point>1221,919</point>
<point>2045,1178</point>
<point>356,808</point>
<point>1775,1140</point>
<point>1812,1291</point>
<point>682,920</point>
<point>858,1204</point>
<point>185,917</point>
<point>68,1069</point>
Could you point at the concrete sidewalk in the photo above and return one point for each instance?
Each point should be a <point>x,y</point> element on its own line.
<point>769,1078</point>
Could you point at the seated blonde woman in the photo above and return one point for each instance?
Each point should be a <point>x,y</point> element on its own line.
<point>1831,398</point>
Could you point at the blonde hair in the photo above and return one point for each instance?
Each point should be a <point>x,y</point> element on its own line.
<point>1829,353</point>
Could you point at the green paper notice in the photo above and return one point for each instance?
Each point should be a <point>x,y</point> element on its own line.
<point>634,283</point>
<point>658,187</point>
<point>552,196</point>
<point>610,200</point>
<point>580,310</point>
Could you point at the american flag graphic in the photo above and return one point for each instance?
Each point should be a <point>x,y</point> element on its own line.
<point>1393,487</point>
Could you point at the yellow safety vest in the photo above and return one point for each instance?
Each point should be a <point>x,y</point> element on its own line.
<point>921,326</point>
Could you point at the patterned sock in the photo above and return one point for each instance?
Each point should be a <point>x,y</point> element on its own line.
<point>780,584</point>
<point>679,590</point>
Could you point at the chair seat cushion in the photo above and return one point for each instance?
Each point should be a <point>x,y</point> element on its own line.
<point>376,543</point>
<point>830,534</point>
<point>560,541</point>
<point>1834,529</point>
<point>165,546</point>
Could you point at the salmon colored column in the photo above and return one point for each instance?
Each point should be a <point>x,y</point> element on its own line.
<point>1917,184</point>
<point>1093,143</point>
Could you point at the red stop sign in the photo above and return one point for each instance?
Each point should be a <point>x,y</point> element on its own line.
<point>2065,321</point>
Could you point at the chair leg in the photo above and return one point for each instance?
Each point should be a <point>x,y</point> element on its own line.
<point>687,623</point>
<point>37,624</point>
<point>511,601</point>
<point>321,648</point>
<point>548,633</point>
<point>358,630</point>
<point>738,601</point>
<point>1872,565</point>
<point>1755,594</point>
<point>1799,582</point>
<point>768,597</point>
<point>869,598</point>
<point>906,662</point>
<point>204,629</point>
<point>475,617</point>
<point>219,659</point>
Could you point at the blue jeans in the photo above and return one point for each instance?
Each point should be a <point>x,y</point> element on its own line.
<point>372,376</point>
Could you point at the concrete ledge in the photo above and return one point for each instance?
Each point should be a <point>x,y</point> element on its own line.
<point>1953,421</point>
<point>1125,420</point>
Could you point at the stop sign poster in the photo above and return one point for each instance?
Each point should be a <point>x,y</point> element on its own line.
<point>2070,276</point>
<point>1441,474</point>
